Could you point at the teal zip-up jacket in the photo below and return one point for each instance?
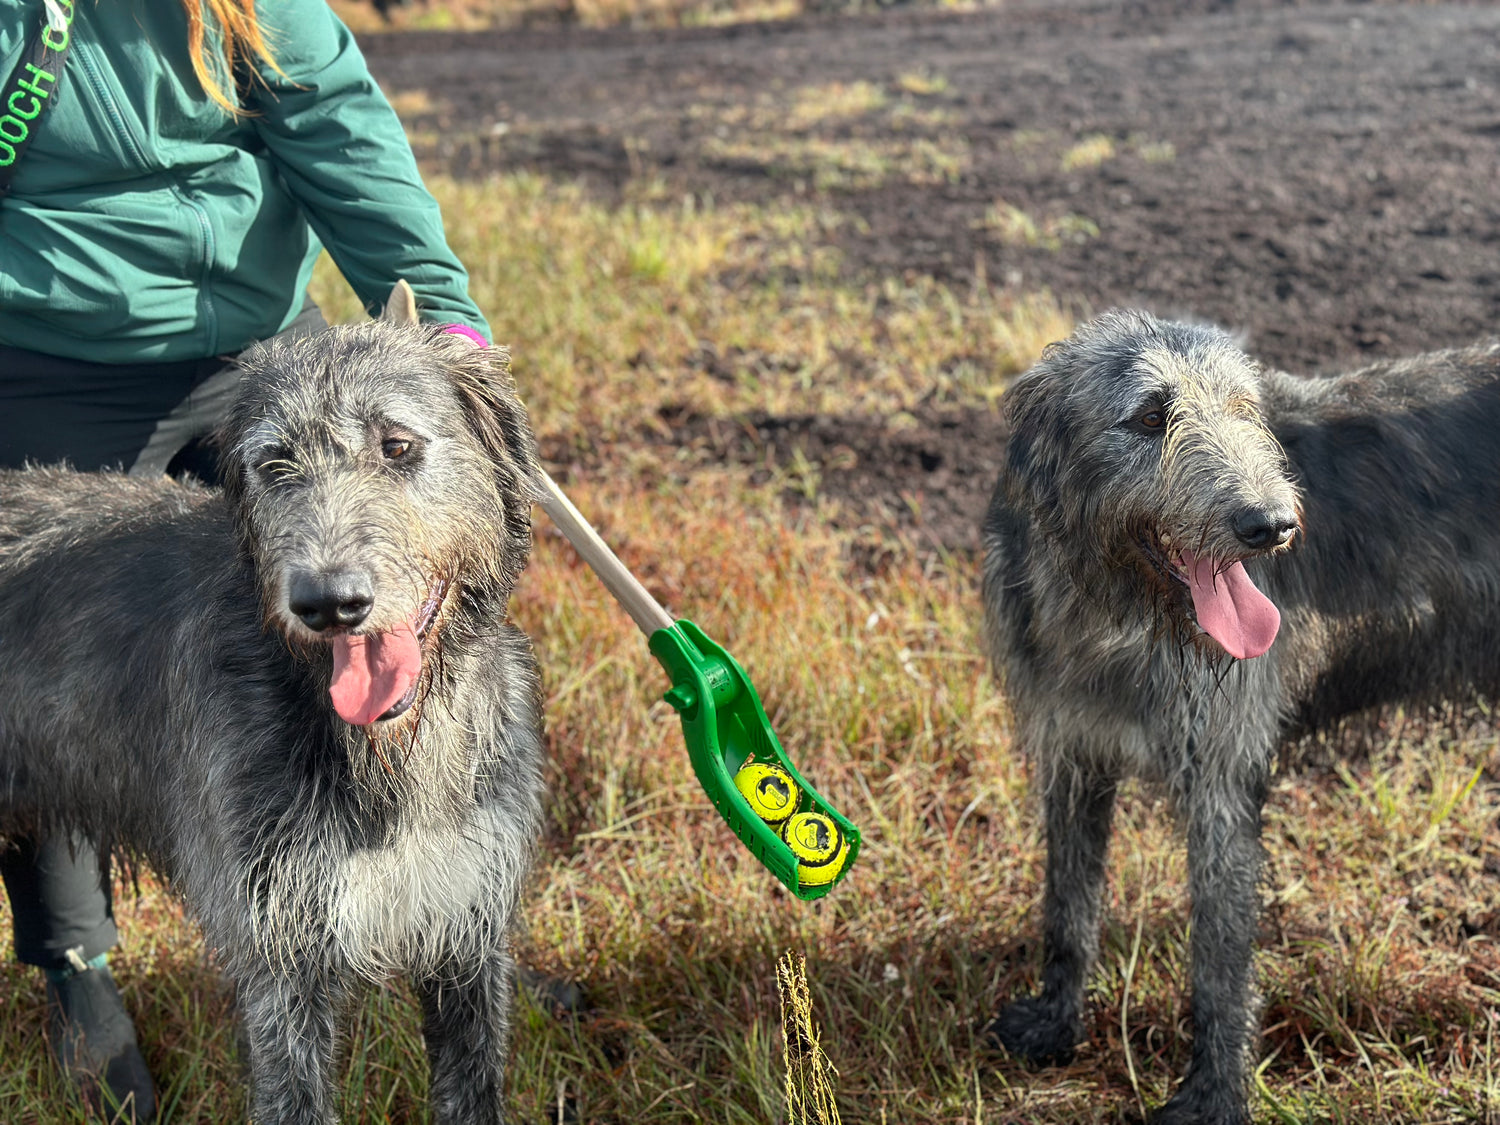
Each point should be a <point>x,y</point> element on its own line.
<point>145,224</point>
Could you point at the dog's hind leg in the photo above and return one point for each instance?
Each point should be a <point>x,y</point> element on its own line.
<point>290,1026</point>
<point>466,1023</point>
<point>1080,800</point>
<point>1224,865</point>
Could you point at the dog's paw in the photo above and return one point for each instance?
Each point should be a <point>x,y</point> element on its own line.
<point>1036,1030</point>
<point>560,997</point>
<point>1193,1107</point>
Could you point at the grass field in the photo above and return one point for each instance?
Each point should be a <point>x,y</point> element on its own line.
<point>1379,959</point>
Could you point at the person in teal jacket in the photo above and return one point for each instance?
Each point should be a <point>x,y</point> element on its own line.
<point>193,161</point>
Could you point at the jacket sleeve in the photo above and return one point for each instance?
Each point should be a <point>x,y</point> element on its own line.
<point>341,150</point>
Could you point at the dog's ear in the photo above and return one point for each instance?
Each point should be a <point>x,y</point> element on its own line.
<point>1038,442</point>
<point>496,417</point>
<point>401,306</point>
<point>231,470</point>
<point>252,363</point>
<point>494,412</point>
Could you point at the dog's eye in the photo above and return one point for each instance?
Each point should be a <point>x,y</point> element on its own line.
<point>275,465</point>
<point>1151,423</point>
<point>395,448</point>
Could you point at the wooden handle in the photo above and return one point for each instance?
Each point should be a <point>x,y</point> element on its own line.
<point>644,610</point>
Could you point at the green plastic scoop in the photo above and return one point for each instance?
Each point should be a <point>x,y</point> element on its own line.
<point>723,722</point>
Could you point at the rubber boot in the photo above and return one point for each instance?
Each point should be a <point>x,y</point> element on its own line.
<point>93,1040</point>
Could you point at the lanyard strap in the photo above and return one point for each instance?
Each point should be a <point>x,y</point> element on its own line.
<point>32,85</point>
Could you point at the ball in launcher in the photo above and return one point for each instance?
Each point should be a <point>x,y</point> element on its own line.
<point>819,845</point>
<point>770,791</point>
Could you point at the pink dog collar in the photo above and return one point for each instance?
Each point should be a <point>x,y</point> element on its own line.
<point>467,333</point>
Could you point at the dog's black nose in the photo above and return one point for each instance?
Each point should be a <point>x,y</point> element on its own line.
<point>323,601</point>
<point>1261,527</point>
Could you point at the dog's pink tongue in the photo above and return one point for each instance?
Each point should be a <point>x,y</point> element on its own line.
<point>1230,609</point>
<point>370,673</point>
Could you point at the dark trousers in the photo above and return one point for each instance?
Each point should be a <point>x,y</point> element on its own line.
<point>146,419</point>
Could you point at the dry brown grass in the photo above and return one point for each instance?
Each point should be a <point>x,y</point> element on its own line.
<point>811,1096</point>
<point>610,310</point>
<point>1379,961</point>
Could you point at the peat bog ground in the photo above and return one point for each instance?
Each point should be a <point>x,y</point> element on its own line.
<point>1319,177</point>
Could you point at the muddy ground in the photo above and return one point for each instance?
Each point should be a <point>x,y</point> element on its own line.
<point>1322,177</point>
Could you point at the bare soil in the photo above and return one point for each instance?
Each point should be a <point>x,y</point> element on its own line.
<point>1321,177</point>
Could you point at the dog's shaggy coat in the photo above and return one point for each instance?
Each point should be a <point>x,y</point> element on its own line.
<point>1153,477</point>
<point>166,659</point>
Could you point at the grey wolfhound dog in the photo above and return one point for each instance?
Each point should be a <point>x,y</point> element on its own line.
<point>301,700</point>
<point>1189,559</point>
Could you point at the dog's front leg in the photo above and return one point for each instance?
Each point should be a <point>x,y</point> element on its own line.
<point>290,1024</point>
<point>1080,800</point>
<point>466,1023</point>
<point>1224,864</point>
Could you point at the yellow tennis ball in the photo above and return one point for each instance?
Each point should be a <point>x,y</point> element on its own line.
<point>770,791</point>
<point>819,845</point>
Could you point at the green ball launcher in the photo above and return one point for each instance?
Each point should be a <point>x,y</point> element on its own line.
<point>723,722</point>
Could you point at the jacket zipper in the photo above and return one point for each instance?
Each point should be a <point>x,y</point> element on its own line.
<point>101,91</point>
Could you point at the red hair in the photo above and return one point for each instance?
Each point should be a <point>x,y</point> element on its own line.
<point>241,41</point>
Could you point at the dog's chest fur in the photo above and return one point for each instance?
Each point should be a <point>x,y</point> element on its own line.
<point>420,890</point>
<point>385,858</point>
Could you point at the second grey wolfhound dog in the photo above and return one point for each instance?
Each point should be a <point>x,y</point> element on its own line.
<point>301,700</point>
<point>1190,558</point>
